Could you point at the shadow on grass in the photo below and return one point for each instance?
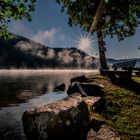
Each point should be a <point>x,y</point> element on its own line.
<point>127,83</point>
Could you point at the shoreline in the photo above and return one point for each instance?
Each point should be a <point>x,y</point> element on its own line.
<point>48,70</point>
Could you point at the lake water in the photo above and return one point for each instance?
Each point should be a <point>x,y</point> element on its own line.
<point>21,90</point>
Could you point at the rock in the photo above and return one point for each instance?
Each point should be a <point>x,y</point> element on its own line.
<point>60,88</point>
<point>100,106</point>
<point>79,79</point>
<point>101,85</point>
<point>104,133</point>
<point>76,87</point>
<point>91,101</point>
<point>85,89</point>
<point>65,119</point>
<point>92,135</point>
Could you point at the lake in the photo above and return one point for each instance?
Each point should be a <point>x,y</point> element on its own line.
<point>21,90</point>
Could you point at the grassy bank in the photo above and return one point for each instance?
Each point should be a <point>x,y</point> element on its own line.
<point>123,105</point>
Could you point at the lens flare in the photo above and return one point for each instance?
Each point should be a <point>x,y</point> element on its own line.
<point>85,43</point>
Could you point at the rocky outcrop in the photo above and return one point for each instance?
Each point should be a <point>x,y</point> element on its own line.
<point>75,87</point>
<point>73,117</point>
<point>104,133</point>
<point>65,119</point>
<point>85,89</point>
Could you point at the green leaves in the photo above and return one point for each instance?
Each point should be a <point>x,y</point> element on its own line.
<point>29,17</point>
<point>14,9</point>
<point>124,15</point>
<point>31,7</point>
<point>6,1</point>
<point>9,13</point>
<point>33,1</point>
<point>106,1</point>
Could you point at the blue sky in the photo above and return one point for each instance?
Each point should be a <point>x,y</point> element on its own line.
<point>49,27</point>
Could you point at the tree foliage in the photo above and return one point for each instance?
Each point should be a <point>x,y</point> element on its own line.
<point>14,10</point>
<point>124,15</point>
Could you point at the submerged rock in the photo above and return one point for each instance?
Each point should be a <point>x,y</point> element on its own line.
<point>60,88</point>
<point>65,119</point>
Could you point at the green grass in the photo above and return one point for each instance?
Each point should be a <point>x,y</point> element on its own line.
<point>122,108</point>
<point>137,79</point>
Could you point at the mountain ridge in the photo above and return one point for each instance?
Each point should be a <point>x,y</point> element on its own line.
<point>20,52</point>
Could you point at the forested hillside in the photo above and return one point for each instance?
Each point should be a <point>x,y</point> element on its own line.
<point>20,52</point>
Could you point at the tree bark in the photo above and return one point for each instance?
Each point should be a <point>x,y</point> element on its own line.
<point>101,43</point>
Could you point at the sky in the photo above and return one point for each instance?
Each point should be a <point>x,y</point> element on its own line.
<point>50,27</point>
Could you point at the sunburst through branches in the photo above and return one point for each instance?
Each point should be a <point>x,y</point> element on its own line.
<point>85,43</point>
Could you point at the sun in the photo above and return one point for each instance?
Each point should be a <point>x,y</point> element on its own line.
<point>85,43</point>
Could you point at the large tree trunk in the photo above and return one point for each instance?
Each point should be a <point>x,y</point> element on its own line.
<point>101,43</point>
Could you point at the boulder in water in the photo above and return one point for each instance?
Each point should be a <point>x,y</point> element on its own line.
<point>60,88</point>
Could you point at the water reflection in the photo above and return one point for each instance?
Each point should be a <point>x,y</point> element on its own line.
<point>21,90</point>
<point>16,89</point>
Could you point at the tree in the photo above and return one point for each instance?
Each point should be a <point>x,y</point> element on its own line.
<point>106,17</point>
<point>14,9</point>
